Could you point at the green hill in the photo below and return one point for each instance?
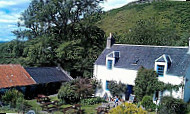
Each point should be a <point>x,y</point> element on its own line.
<point>157,23</point>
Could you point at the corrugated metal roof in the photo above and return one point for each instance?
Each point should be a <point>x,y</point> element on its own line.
<point>146,56</point>
<point>12,75</point>
<point>48,74</point>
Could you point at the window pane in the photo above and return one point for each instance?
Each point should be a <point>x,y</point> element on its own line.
<point>160,70</point>
<point>107,82</point>
<point>109,64</point>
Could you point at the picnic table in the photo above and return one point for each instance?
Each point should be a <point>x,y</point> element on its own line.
<point>42,98</point>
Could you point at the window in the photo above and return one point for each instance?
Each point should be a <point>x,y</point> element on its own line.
<point>107,82</point>
<point>109,64</point>
<point>160,70</point>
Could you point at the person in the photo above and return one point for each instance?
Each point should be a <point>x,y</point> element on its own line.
<point>116,100</point>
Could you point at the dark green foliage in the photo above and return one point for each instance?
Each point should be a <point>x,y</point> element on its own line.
<point>116,88</point>
<point>170,105</point>
<point>92,101</point>
<point>57,31</point>
<point>14,98</point>
<point>147,103</point>
<point>146,83</point>
<point>68,93</point>
<point>74,91</point>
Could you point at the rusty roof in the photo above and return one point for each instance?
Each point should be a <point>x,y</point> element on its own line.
<point>12,75</point>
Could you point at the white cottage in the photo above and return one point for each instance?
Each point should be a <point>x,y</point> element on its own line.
<point>120,62</point>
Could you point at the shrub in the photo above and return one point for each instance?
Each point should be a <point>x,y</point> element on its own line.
<point>80,88</point>
<point>68,94</point>
<point>14,98</point>
<point>148,104</point>
<point>116,88</point>
<point>92,101</point>
<point>127,108</point>
<point>170,105</point>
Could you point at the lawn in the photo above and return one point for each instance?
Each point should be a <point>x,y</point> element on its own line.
<point>89,109</point>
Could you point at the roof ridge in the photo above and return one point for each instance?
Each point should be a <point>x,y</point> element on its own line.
<point>154,46</point>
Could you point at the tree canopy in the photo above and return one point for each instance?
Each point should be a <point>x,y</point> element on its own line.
<point>58,31</point>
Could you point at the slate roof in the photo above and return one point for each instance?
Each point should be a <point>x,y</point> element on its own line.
<point>146,56</point>
<point>14,75</point>
<point>48,74</point>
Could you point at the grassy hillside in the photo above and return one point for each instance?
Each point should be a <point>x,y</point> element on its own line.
<point>172,17</point>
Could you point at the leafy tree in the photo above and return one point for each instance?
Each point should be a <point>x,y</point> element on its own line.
<point>146,83</point>
<point>116,88</point>
<point>54,16</point>
<point>62,31</point>
<point>170,105</point>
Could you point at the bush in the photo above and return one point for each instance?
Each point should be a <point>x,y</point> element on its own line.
<point>68,94</point>
<point>14,98</point>
<point>148,104</point>
<point>116,88</point>
<point>127,108</point>
<point>170,105</point>
<point>92,101</point>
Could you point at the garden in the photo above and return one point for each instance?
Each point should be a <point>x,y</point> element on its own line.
<point>78,97</point>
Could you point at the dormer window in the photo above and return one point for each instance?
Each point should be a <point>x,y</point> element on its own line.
<point>112,58</point>
<point>162,64</point>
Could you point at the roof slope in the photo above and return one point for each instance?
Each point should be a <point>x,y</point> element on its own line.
<point>48,74</point>
<point>146,56</point>
<point>14,75</point>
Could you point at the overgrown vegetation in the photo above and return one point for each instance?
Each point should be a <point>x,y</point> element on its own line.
<point>170,105</point>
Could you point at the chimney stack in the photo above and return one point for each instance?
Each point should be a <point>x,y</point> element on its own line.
<point>110,41</point>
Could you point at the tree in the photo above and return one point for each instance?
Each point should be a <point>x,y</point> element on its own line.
<point>62,31</point>
<point>146,83</point>
<point>80,88</point>
<point>54,17</point>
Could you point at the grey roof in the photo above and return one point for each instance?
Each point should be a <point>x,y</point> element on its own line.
<point>146,56</point>
<point>161,59</point>
<point>48,74</point>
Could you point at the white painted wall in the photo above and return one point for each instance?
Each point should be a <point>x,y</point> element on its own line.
<point>118,74</point>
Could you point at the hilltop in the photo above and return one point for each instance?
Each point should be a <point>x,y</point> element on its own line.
<point>159,21</point>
